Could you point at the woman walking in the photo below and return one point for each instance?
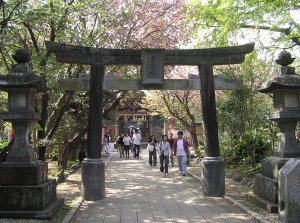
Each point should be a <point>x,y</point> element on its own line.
<point>152,154</point>
<point>164,152</point>
<point>127,142</point>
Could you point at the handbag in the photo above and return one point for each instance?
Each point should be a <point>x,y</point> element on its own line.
<point>150,147</point>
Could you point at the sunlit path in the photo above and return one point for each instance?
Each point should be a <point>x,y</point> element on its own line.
<point>138,192</point>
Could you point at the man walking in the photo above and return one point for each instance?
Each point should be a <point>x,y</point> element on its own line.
<point>137,143</point>
<point>181,150</point>
<point>171,141</point>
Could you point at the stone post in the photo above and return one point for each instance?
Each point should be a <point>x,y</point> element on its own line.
<point>213,169</point>
<point>289,191</point>
<point>93,173</point>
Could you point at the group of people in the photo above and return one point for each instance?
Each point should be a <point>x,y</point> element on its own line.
<point>124,144</point>
<point>166,150</point>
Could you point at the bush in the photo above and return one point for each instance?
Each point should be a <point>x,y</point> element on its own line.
<point>200,151</point>
<point>241,151</point>
<point>54,152</point>
<point>3,143</point>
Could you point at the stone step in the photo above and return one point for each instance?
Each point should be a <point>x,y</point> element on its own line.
<point>256,200</point>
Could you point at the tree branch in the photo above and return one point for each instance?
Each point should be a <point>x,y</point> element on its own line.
<point>114,105</point>
<point>59,105</point>
<point>5,21</point>
<point>60,114</point>
<point>286,31</point>
<point>34,41</point>
<point>4,59</point>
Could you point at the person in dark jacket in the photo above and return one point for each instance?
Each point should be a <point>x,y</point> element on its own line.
<point>153,153</point>
<point>171,141</point>
<point>82,154</point>
<point>181,150</point>
<point>120,142</point>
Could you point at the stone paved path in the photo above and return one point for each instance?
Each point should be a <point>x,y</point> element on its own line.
<point>137,192</point>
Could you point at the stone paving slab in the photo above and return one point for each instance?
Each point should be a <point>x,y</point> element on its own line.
<point>138,192</point>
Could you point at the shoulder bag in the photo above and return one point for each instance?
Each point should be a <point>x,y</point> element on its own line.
<point>150,147</point>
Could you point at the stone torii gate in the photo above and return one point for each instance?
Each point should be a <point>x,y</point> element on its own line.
<point>152,61</point>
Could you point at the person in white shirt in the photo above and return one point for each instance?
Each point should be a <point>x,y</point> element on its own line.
<point>181,150</point>
<point>137,143</point>
<point>127,141</point>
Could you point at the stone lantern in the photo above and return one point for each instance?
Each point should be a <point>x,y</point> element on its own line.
<point>25,191</point>
<point>285,87</point>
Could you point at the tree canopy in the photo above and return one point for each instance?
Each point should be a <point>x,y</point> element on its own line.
<point>109,24</point>
<point>271,24</point>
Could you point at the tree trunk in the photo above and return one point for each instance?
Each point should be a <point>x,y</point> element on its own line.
<point>71,146</point>
<point>195,141</point>
<point>42,122</point>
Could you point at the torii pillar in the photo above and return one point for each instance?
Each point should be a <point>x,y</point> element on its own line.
<point>93,168</point>
<point>153,62</point>
<point>213,168</point>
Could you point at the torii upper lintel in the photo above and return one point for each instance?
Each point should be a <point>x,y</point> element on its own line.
<point>66,53</point>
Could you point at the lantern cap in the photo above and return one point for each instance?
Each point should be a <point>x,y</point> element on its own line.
<point>281,82</point>
<point>22,56</point>
<point>21,75</point>
<point>284,58</point>
<point>22,80</point>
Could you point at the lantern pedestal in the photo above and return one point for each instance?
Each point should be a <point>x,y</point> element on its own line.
<point>288,146</point>
<point>265,185</point>
<point>25,191</point>
<point>29,202</point>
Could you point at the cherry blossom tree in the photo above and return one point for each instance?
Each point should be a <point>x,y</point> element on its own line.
<point>110,24</point>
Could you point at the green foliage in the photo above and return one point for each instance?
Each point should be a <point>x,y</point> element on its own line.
<point>3,101</point>
<point>256,169</point>
<point>54,152</point>
<point>3,143</point>
<point>158,119</point>
<point>242,114</point>
<point>140,122</point>
<point>61,214</point>
<point>271,24</point>
<point>200,151</point>
<point>249,150</point>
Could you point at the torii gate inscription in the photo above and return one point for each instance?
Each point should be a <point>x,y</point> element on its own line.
<point>152,61</point>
